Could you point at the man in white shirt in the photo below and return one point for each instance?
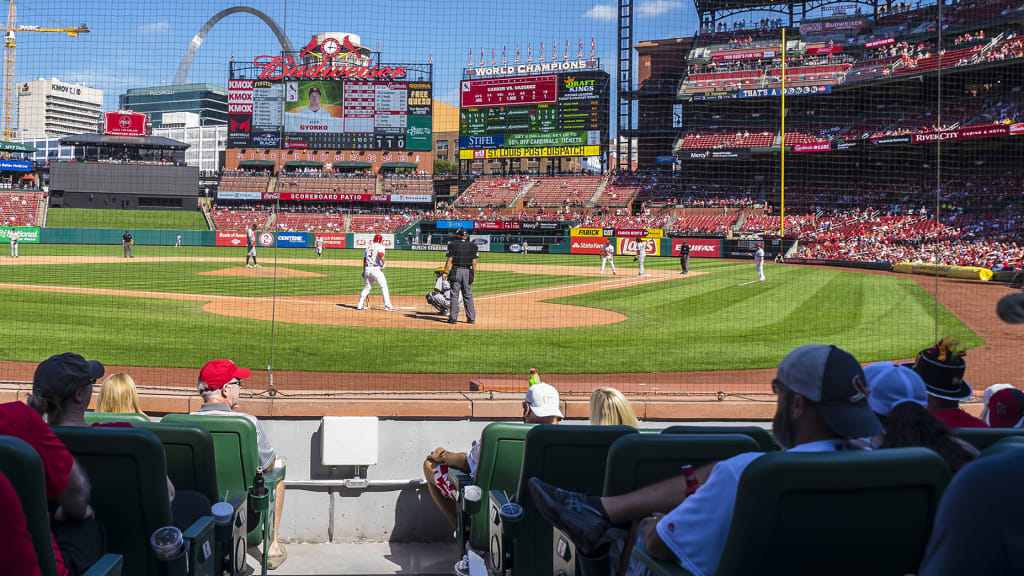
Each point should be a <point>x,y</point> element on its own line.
<point>608,256</point>
<point>759,262</point>
<point>641,253</point>
<point>12,235</point>
<point>373,271</point>
<point>313,111</point>
<point>821,406</point>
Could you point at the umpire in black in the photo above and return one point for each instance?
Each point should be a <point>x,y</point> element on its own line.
<point>461,270</point>
<point>126,243</point>
<point>684,257</point>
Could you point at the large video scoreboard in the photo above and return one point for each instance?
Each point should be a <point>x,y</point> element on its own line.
<point>563,114</point>
<point>349,114</point>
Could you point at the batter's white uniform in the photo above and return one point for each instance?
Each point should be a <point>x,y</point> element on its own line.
<point>608,257</point>
<point>13,236</point>
<point>759,264</point>
<point>373,271</point>
<point>250,241</point>
<point>641,253</point>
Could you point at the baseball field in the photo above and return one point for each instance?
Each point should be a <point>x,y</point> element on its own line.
<point>178,307</point>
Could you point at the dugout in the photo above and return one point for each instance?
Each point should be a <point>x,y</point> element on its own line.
<point>124,172</point>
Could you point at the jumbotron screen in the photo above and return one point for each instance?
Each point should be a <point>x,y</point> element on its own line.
<point>542,115</point>
<point>330,114</point>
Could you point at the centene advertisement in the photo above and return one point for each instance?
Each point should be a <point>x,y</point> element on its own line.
<point>584,245</point>
<point>331,239</point>
<point>815,147</point>
<point>125,123</point>
<point>364,240</point>
<point>230,238</point>
<point>699,247</point>
<point>627,246</point>
<point>292,240</point>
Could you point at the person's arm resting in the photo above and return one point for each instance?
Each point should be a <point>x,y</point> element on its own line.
<point>655,545</point>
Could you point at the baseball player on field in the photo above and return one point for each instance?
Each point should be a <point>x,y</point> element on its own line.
<point>250,247</point>
<point>608,256</point>
<point>319,246</point>
<point>759,262</point>
<point>641,253</point>
<point>177,242</point>
<point>12,234</point>
<point>440,297</point>
<point>373,271</point>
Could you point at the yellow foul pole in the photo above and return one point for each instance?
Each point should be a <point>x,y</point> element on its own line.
<point>782,210</point>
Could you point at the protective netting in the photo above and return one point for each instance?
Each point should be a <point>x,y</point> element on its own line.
<point>853,146</point>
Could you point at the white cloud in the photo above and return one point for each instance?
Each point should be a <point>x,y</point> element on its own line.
<point>602,12</point>
<point>154,28</point>
<point>657,7</point>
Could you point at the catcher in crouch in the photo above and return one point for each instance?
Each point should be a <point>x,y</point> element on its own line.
<point>440,297</point>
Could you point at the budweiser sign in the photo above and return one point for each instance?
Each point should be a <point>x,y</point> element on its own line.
<point>829,26</point>
<point>285,68</point>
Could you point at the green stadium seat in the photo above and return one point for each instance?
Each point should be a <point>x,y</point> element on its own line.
<point>128,474</point>
<point>234,443</point>
<point>982,438</point>
<point>836,513</point>
<point>571,457</point>
<point>1007,444</point>
<point>639,460</point>
<point>94,417</point>
<point>22,467</point>
<point>501,459</point>
<point>762,436</point>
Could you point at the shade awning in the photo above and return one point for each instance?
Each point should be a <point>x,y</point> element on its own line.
<point>303,164</point>
<point>399,165</point>
<point>15,147</point>
<point>352,164</point>
<point>255,163</point>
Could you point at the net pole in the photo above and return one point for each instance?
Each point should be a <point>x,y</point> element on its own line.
<point>782,147</point>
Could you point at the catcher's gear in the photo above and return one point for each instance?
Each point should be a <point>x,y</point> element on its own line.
<point>378,238</point>
<point>439,270</point>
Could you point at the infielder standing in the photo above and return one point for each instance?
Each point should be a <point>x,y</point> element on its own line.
<point>526,247</point>
<point>126,243</point>
<point>461,265</point>
<point>12,234</point>
<point>177,242</point>
<point>373,271</point>
<point>250,247</point>
<point>641,253</point>
<point>319,246</point>
<point>684,257</point>
<point>759,262</point>
<point>608,256</point>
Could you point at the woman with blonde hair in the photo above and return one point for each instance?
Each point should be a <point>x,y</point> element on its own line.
<point>118,395</point>
<point>608,407</point>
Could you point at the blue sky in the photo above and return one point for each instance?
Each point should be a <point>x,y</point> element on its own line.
<point>135,44</point>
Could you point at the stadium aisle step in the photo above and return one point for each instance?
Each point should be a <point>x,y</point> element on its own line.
<point>369,559</point>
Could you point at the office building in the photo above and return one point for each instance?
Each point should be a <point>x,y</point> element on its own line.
<point>49,107</point>
<point>209,102</point>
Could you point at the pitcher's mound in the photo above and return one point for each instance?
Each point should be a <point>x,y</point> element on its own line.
<point>259,272</point>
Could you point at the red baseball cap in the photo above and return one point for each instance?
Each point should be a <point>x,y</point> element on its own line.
<point>1006,409</point>
<point>217,373</point>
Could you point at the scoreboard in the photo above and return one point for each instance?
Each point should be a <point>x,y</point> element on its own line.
<point>520,110</point>
<point>330,114</point>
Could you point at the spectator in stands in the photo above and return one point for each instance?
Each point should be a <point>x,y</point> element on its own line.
<point>942,369</point>
<point>987,396</point>
<point>821,407</point>
<point>119,396</point>
<point>897,396</point>
<point>541,406</point>
<point>1006,409</point>
<point>609,407</point>
<point>220,384</point>
<point>20,557</point>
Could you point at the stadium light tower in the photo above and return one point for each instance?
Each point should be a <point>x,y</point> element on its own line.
<point>7,131</point>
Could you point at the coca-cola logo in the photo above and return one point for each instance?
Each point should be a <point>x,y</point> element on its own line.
<point>125,122</point>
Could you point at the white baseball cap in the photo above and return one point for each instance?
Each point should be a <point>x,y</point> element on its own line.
<point>543,400</point>
<point>890,385</point>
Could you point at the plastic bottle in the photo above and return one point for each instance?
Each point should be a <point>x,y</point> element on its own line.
<point>692,483</point>
<point>259,487</point>
<point>534,377</point>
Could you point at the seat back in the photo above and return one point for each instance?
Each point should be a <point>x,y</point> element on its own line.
<point>128,475</point>
<point>849,512</point>
<point>234,446</point>
<point>1007,444</point>
<point>982,438</point>
<point>133,417</point>
<point>567,456</point>
<point>20,463</point>
<point>638,460</point>
<point>762,436</point>
<point>501,460</point>
<point>188,452</point>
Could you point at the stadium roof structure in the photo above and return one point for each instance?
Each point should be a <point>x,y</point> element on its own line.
<point>725,8</point>
<point>126,141</point>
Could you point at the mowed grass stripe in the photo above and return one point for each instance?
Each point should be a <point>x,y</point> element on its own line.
<point>125,219</point>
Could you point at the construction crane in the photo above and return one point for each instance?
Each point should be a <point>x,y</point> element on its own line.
<point>7,130</point>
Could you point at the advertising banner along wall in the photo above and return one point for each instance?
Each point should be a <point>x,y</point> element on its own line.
<point>26,235</point>
<point>331,239</point>
<point>364,240</point>
<point>699,247</point>
<point>584,245</point>
<point>627,246</point>
<point>230,238</point>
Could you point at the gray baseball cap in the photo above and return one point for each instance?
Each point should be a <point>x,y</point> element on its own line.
<point>833,379</point>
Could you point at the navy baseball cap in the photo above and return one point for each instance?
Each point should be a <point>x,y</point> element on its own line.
<point>833,379</point>
<point>62,374</point>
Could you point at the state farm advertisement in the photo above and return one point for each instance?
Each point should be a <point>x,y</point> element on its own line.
<point>583,245</point>
<point>230,238</point>
<point>125,124</point>
<point>815,147</point>
<point>627,246</point>
<point>699,247</point>
<point>331,239</point>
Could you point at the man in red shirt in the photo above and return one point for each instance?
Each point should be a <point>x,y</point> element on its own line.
<point>19,554</point>
<point>942,369</point>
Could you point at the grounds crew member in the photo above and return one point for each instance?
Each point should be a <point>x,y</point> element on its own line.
<point>461,270</point>
<point>126,242</point>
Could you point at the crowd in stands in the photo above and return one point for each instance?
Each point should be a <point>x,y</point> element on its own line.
<point>19,208</point>
<point>493,192</point>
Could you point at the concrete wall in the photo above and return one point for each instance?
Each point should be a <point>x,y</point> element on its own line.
<point>373,514</point>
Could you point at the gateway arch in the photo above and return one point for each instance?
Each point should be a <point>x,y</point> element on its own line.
<point>181,76</point>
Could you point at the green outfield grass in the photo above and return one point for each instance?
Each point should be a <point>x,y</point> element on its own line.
<point>125,219</point>
<point>715,321</point>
